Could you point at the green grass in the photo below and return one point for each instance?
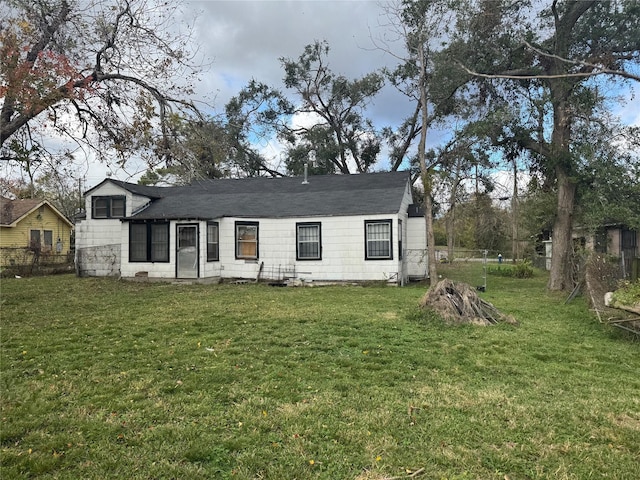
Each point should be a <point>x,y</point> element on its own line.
<point>107,379</point>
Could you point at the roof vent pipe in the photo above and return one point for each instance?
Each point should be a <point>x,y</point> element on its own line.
<point>312,160</point>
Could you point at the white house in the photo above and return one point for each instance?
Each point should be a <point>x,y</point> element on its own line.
<point>329,228</point>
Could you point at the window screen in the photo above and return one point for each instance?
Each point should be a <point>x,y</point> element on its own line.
<point>213,252</point>
<point>378,239</point>
<point>308,236</point>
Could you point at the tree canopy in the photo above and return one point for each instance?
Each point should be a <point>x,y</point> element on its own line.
<point>109,75</point>
<point>541,63</point>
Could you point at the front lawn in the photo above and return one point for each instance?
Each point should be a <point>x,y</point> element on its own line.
<point>108,379</point>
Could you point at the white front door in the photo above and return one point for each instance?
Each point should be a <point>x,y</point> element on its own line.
<point>187,255</point>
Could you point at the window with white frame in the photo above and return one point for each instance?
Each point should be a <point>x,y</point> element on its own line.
<point>213,249</point>
<point>308,241</point>
<point>378,240</point>
<point>247,240</point>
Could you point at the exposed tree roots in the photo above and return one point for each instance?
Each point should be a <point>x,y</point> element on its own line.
<point>459,303</point>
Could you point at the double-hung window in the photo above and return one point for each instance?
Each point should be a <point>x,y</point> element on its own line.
<point>149,242</point>
<point>308,241</point>
<point>48,240</point>
<point>378,240</point>
<point>108,207</point>
<point>247,240</point>
<point>213,249</point>
<point>400,233</point>
<point>34,239</point>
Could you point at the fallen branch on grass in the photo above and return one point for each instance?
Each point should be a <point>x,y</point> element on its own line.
<point>420,471</point>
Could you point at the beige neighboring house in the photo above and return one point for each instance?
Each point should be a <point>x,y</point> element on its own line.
<point>617,240</point>
<point>32,226</point>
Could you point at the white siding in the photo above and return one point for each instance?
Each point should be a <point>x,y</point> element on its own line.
<point>343,255</point>
<point>99,241</point>
<point>405,268</point>
<point>105,231</point>
<point>153,269</point>
<point>416,253</point>
<point>342,241</point>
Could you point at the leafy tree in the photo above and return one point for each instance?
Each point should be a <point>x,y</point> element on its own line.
<point>482,225</point>
<point>61,184</point>
<point>107,74</point>
<point>256,114</point>
<point>55,178</point>
<point>336,133</point>
<point>340,105</point>
<point>608,187</point>
<point>550,60</point>
<point>463,159</point>
<point>420,25</point>
<point>204,148</point>
<point>317,148</point>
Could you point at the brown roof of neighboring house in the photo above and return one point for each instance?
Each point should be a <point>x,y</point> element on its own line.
<point>13,210</point>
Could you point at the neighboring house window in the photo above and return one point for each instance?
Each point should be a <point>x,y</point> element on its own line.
<point>34,239</point>
<point>247,240</point>
<point>400,239</point>
<point>378,240</point>
<point>601,241</point>
<point>308,241</point>
<point>108,207</point>
<point>213,250</point>
<point>48,240</point>
<point>148,242</point>
<point>628,240</point>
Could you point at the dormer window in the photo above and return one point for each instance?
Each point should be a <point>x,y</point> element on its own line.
<point>108,206</point>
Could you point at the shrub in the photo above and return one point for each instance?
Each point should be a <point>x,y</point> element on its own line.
<point>628,293</point>
<point>522,269</point>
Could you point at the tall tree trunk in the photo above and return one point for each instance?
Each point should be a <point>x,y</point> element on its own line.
<point>563,111</point>
<point>426,173</point>
<point>428,216</point>
<point>561,247</point>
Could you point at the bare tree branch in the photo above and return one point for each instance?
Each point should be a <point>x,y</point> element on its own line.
<point>527,74</point>
<point>597,69</point>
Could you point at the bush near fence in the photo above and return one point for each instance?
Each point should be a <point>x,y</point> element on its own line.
<point>521,269</point>
<point>28,261</point>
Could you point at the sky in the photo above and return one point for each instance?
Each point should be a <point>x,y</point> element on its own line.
<point>239,40</point>
<point>244,39</point>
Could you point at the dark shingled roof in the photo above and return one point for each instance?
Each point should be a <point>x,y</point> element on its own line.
<point>324,195</point>
<point>143,190</point>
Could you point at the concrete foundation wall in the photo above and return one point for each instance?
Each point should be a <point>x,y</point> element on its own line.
<point>98,261</point>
